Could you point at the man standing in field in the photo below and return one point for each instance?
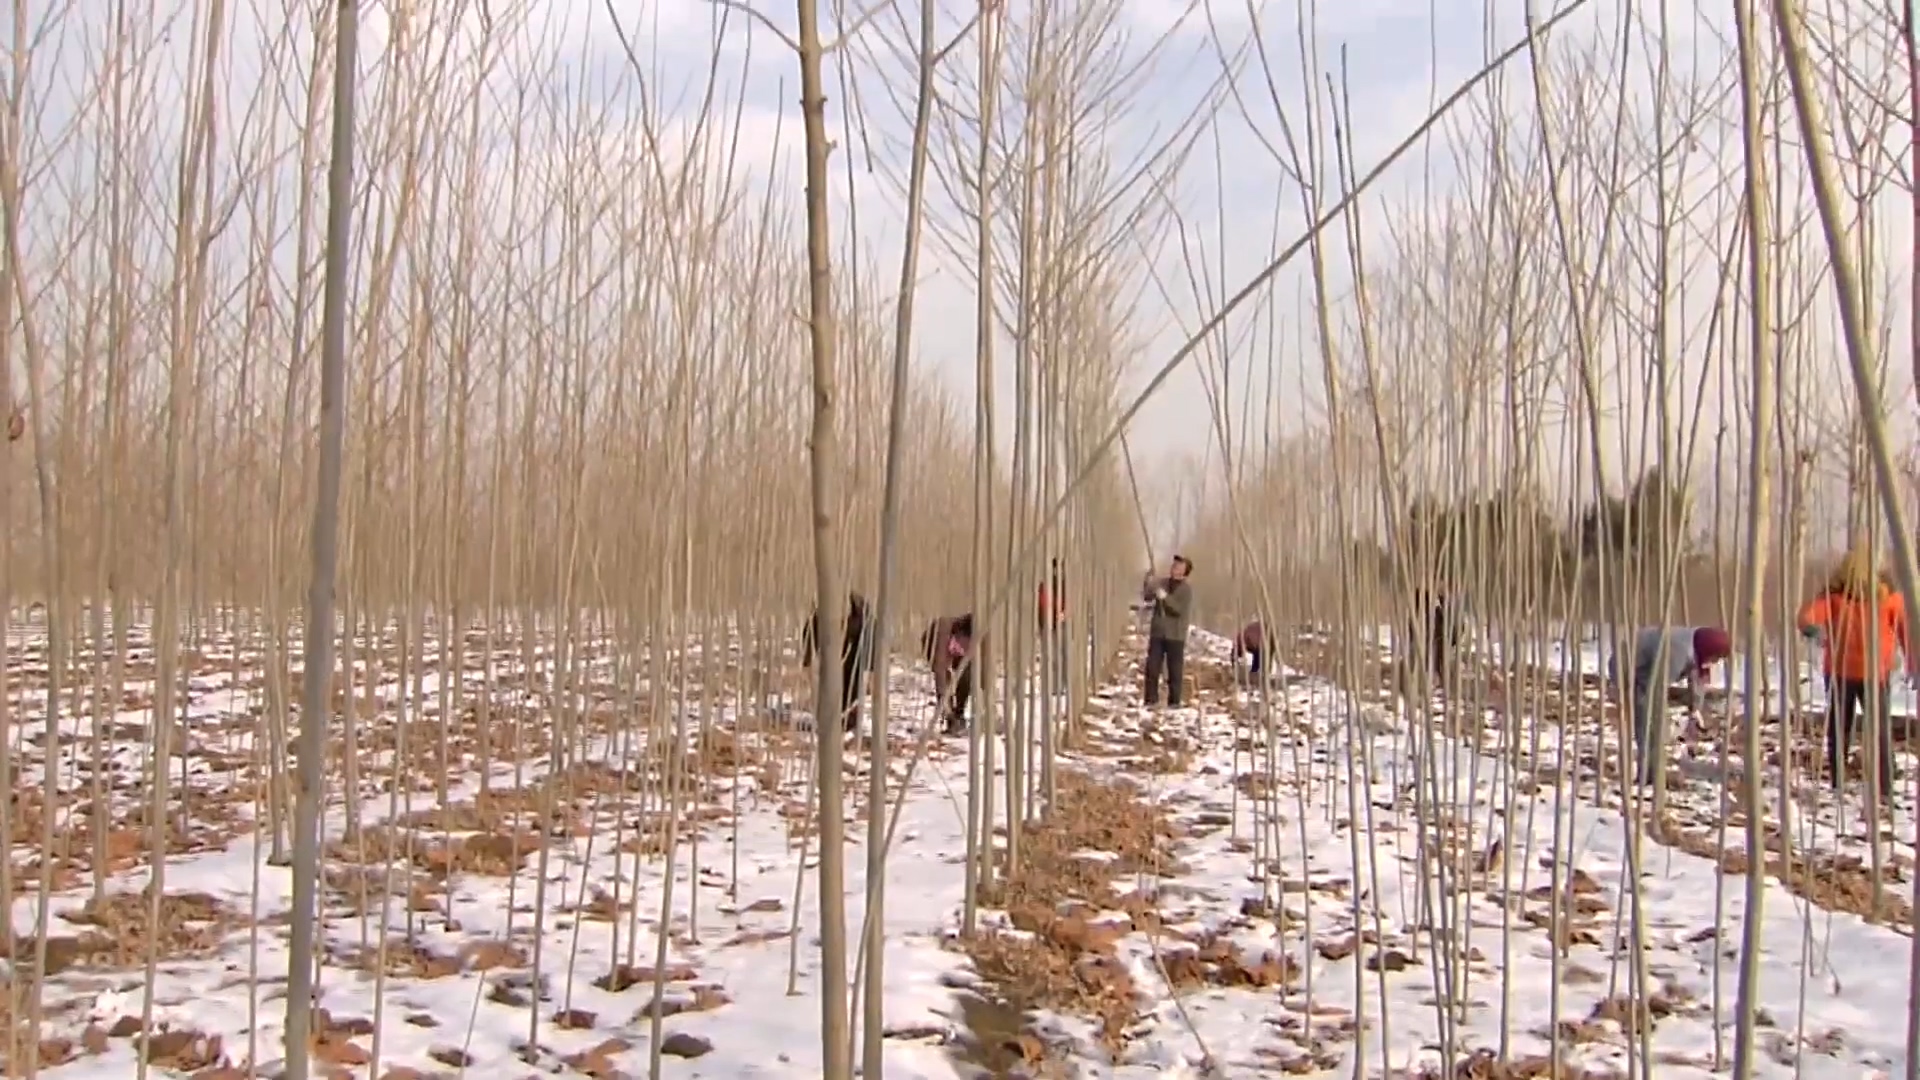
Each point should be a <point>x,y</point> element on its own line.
<point>1172,600</point>
<point>1661,658</point>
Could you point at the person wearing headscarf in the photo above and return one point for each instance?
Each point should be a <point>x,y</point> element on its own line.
<point>947,643</point>
<point>1661,658</point>
<point>1862,622</point>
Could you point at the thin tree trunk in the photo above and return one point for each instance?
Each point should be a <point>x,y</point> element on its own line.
<point>317,666</point>
<point>1759,477</point>
<point>873,1012</point>
<point>836,1061</point>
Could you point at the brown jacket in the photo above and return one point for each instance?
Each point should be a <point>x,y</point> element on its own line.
<point>1251,638</point>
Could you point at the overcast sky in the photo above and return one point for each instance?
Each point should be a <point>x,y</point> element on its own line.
<point>1398,57</point>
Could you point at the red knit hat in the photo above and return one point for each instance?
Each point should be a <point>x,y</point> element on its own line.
<point>1711,644</point>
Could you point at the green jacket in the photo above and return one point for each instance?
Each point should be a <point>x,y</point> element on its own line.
<point>1172,615</point>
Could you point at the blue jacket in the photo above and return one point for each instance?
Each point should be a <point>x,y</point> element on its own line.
<point>1682,663</point>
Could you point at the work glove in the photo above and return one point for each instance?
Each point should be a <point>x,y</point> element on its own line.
<point>1814,635</point>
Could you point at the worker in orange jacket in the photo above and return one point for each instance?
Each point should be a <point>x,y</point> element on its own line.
<point>1862,622</point>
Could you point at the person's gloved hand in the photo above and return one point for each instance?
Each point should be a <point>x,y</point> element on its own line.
<point>1814,635</point>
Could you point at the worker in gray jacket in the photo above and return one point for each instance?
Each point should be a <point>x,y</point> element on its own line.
<point>1171,598</point>
<point>1661,658</point>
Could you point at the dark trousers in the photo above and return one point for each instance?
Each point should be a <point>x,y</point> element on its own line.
<point>1253,662</point>
<point>1056,656</point>
<point>850,674</point>
<point>1170,658</point>
<point>961,684</point>
<point>1846,710</point>
<point>1439,643</point>
<point>1647,722</point>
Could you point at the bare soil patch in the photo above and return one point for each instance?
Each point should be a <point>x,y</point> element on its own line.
<point>1069,916</point>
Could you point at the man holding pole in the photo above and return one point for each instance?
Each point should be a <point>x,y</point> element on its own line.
<point>1171,599</point>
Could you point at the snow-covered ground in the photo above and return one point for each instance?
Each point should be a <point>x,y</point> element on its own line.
<point>1557,719</point>
<point>1221,891</point>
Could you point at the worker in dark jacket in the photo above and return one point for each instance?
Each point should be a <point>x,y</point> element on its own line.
<point>1053,624</point>
<point>1171,599</point>
<point>856,656</point>
<point>947,643</point>
<point>1437,615</point>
